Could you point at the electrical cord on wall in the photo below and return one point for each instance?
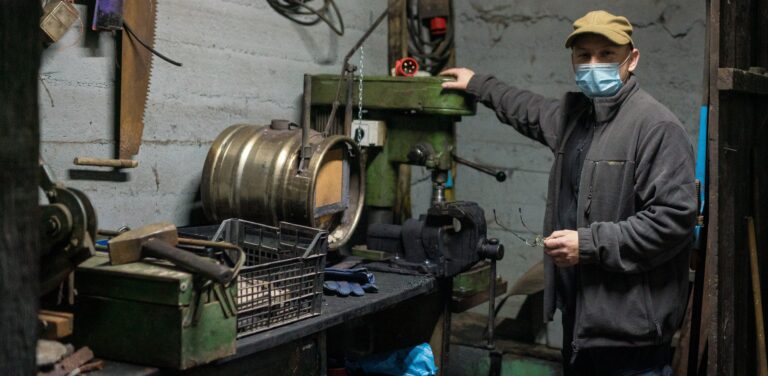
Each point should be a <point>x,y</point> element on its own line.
<point>301,13</point>
<point>141,42</point>
<point>433,53</point>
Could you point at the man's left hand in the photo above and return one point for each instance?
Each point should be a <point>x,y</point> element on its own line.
<point>563,247</point>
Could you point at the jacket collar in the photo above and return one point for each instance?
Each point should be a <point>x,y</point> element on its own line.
<point>606,108</point>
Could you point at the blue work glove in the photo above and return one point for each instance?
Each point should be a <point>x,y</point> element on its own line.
<point>345,282</point>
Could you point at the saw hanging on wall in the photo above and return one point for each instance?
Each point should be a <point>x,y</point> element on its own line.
<point>137,20</point>
<point>135,67</point>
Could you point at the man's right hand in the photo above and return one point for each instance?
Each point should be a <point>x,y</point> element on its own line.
<point>462,75</point>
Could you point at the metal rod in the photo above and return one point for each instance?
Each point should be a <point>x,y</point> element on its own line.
<point>499,174</point>
<point>492,306</point>
<point>208,243</point>
<point>98,162</point>
<point>347,127</point>
<point>305,120</point>
<point>446,340</point>
<point>184,241</point>
<point>109,233</point>
<point>345,65</point>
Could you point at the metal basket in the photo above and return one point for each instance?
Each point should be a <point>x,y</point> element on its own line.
<point>281,281</point>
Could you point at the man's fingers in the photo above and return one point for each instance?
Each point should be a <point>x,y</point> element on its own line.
<point>559,252</point>
<point>557,234</point>
<point>450,72</point>
<point>553,243</point>
<point>452,85</point>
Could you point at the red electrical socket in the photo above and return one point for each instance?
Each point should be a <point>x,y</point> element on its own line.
<point>407,67</point>
<point>438,26</point>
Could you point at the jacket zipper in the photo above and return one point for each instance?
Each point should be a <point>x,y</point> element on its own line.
<point>592,174</point>
<point>579,302</point>
<point>591,185</point>
<point>577,318</point>
<point>655,325</point>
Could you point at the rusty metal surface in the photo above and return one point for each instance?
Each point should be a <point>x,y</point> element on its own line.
<point>135,68</point>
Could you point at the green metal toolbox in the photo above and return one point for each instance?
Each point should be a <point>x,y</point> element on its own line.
<point>152,313</point>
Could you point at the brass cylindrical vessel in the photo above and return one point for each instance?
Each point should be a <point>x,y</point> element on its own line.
<point>253,172</point>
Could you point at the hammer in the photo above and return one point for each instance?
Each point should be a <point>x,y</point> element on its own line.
<point>158,240</point>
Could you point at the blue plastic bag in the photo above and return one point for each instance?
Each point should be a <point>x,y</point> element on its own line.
<point>412,361</point>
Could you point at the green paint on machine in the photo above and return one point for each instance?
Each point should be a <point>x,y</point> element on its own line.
<point>414,94</point>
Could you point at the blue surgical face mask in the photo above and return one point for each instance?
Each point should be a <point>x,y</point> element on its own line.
<point>599,79</point>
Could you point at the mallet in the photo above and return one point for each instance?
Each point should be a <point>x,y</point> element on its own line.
<point>158,240</point>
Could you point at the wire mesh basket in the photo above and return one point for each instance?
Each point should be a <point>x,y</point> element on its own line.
<point>282,279</point>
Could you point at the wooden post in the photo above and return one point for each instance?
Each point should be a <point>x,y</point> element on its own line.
<point>762,362</point>
<point>397,37</point>
<point>21,43</point>
<point>736,44</point>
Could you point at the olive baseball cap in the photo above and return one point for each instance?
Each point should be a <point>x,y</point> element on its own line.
<point>616,28</point>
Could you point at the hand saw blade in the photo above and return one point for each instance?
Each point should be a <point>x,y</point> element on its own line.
<point>135,68</point>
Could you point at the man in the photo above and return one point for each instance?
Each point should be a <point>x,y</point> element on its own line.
<point>621,202</point>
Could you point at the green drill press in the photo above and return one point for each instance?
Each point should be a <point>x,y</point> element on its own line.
<point>413,122</point>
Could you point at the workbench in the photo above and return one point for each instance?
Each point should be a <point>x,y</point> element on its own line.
<point>299,348</point>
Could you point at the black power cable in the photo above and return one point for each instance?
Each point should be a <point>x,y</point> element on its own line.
<point>141,42</point>
<point>301,13</point>
<point>433,53</point>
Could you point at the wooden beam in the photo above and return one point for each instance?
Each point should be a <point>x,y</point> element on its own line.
<point>710,313</point>
<point>732,79</point>
<point>20,40</point>
<point>737,102</point>
<point>397,33</point>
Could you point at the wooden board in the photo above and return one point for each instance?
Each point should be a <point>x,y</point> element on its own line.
<point>329,186</point>
<point>58,324</point>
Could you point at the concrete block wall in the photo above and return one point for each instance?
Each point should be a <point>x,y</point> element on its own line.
<point>243,63</point>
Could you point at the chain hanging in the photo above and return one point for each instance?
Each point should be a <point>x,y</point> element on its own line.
<point>360,86</point>
<point>359,132</point>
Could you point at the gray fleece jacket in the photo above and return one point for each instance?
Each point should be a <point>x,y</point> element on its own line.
<point>635,213</point>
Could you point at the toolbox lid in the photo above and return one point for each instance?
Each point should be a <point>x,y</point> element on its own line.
<point>150,280</point>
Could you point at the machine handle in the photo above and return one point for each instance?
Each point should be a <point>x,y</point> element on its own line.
<point>499,174</point>
<point>209,244</point>
<point>183,241</point>
<point>160,249</point>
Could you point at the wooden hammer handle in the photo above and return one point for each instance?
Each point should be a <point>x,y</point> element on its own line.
<point>160,249</point>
